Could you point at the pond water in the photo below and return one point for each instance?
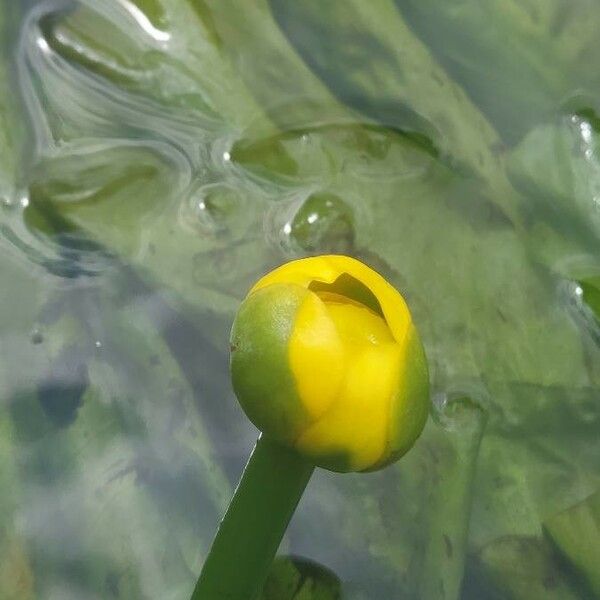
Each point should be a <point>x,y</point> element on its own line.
<point>158,156</point>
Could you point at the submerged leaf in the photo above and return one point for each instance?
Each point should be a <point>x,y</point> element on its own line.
<point>520,61</point>
<point>525,568</point>
<point>374,63</point>
<point>576,533</point>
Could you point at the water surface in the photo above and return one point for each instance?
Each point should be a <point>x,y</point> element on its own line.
<point>158,156</point>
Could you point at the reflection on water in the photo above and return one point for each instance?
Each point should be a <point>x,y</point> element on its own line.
<point>157,156</point>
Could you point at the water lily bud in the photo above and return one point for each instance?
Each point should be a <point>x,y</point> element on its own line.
<point>325,358</point>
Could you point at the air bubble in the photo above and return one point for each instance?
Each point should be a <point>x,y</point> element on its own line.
<point>587,294</point>
<point>6,202</point>
<point>218,210</point>
<point>323,223</point>
<point>459,408</point>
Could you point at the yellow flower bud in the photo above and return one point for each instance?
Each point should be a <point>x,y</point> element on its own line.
<point>325,358</point>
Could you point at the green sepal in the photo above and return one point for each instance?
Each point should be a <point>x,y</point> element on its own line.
<point>260,368</point>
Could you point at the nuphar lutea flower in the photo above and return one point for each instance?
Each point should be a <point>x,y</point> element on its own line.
<point>326,359</point>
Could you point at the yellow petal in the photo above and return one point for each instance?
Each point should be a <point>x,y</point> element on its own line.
<point>352,435</point>
<point>316,356</point>
<point>328,268</point>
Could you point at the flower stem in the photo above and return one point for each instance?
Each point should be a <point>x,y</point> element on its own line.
<point>251,531</point>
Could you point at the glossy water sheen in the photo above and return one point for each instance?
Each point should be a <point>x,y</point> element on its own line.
<point>157,156</point>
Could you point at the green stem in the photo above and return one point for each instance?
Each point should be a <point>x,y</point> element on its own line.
<point>252,529</point>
